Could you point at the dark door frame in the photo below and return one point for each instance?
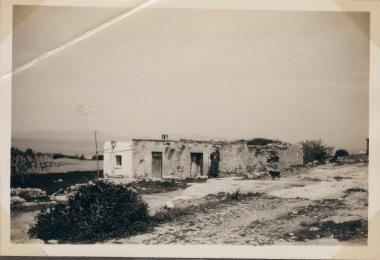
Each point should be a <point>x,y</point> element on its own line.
<point>158,157</point>
<point>199,156</point>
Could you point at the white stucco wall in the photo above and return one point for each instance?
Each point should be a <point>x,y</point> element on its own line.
<point>111,169</point>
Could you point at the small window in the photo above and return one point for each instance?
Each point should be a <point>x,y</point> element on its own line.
<point>119,161</point>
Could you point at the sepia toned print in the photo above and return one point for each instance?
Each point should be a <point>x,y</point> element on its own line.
<point>190,127</point>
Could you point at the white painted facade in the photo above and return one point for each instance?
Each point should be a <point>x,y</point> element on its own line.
<point>117,159</point>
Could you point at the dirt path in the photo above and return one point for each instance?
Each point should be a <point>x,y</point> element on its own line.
<point>20,224</point>
<point>316,183</point>
<point>224,223</point>
<point>325,205</point>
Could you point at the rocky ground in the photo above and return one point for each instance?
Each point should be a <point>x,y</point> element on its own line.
<point>322,205</point>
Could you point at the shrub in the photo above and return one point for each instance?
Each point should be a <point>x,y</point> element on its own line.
<point>262,141</point>
<point>22,163</point>
<point>58,156</point>
<point>235,195</point>
<point>315,150</point>
<point>170,214</point>
<point>341,153</point>
<point>76,156</point>
<point>96,212</point>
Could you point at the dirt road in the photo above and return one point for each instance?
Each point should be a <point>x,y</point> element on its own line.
<point>324,205</point>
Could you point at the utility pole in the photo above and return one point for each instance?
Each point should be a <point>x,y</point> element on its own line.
<point>97,156</point>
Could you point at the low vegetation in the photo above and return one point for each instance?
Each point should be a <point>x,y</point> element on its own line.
<point>96,212</point>
<point>235,195</point>
<point>76,156</point>
<point>156,186</point>
<point>22,163</point>
<point>262,141</point>
<point>100,157</point>
<point>352,190</point>
<point>352,159</point>
<point>27,167</point>
<point>315,150</point>
<point>341,153</point>
<point>54,182</point>
<point>211,201</point>
<point>348,230</point>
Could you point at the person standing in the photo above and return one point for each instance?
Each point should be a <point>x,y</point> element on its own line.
<point>214,168</point>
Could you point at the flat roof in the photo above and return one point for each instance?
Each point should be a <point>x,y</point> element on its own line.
<point>189,140</point>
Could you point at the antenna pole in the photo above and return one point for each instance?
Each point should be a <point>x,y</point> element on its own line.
<point>97,156</point>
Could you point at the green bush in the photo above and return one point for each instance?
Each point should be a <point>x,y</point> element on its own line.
<point>96,212</point>
<point>315,150</point>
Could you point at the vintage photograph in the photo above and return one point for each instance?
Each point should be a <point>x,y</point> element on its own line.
<point>180,126</point>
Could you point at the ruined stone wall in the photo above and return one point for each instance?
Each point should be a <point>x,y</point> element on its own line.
<point>291,156</point>
<point>273,156</point>
<point>257,157</point>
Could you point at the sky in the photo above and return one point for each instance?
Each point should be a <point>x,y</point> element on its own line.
<point>193,73</point>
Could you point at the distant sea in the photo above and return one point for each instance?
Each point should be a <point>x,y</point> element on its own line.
<point>71,147</point>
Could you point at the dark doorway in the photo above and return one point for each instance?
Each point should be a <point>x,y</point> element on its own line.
<point>196,166</point>
<point>157,164</point>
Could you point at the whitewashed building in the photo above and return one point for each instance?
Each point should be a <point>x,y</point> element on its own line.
<point>117,159</point>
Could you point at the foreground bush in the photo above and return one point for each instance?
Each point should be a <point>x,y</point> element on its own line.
<point>315,150</point>
<point>96,212</point>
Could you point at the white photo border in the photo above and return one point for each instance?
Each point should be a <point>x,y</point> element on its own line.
<point>196,251</point>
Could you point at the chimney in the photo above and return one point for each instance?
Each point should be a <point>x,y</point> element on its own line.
<point>367,151</point>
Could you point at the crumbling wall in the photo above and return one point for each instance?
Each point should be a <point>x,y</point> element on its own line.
<point>257,158</point>
<point>291,156</point>
<point>275,156</point>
